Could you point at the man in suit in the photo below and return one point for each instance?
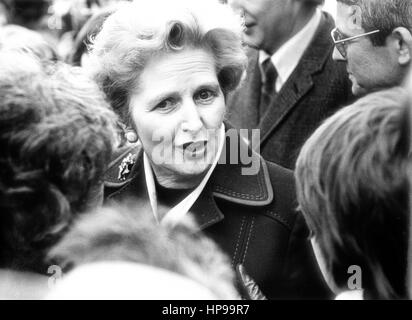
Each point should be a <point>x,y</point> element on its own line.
<point>292,83</point>
<point>373,38</point>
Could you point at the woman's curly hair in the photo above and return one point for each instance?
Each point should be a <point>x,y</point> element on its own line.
<point>138,31</point>
<point>56,138</point>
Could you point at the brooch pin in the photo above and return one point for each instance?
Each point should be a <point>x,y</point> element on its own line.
<point>126,166</point>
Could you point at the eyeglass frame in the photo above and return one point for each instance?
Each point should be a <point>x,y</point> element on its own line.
<point>342,50</point>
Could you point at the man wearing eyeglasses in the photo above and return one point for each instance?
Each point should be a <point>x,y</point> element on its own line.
<point>292,82</point>
<point>373,38</point>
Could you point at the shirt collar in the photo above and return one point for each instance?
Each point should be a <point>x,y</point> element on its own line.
<point>176,214</point>
<point>289,54</point>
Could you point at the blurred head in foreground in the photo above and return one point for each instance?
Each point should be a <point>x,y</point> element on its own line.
<point>353,191</point>
<point>56,137</point>
<point>121,252</point>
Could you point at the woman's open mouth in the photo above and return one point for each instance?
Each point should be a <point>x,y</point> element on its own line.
<point>195,149</point>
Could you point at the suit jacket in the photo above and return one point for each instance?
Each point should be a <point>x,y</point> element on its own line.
<point>315,90</point>
<point>251,217</point>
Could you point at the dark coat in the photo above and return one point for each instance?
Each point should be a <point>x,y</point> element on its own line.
<point>251,217</point>
<point>316,89</point>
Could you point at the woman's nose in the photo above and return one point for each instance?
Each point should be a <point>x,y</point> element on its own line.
<point>192,121</point>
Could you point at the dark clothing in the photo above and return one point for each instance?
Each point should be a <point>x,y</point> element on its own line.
<point>251,217</point>
<point>316,89</point>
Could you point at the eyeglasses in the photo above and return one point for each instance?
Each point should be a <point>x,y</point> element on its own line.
<point>339,39</point>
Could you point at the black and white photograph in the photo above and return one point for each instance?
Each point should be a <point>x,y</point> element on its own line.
<point>223,152</point>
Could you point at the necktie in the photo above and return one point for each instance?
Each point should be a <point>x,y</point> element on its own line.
<point>268,87</point>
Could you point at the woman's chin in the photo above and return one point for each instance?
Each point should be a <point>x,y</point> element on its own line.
<point>193,168</point>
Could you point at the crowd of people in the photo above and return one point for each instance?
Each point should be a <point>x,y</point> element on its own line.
<point>205,149</point>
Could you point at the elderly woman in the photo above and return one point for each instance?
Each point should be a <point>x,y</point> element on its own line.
<point>353,189</point>
<point>56,136</point>
<point>167,68</point>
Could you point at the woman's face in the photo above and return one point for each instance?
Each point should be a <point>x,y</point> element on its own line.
<point>177,111</point>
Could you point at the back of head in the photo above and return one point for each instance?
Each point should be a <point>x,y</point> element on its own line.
<point>353,190</point>
<point>56,137</point>
<point>129,233</point>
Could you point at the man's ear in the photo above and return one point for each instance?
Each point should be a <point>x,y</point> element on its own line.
<point>403,45</point>
<point>355,18</point>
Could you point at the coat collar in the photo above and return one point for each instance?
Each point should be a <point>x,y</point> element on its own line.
<point>229,182</point>
<point>301,81</point>
<point>247,180</point>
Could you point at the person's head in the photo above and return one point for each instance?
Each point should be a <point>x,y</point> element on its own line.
<point>122,234</point>
<point>352,188</point>
<point>270,23</point>
<point>380,54</point>
<point>56,137</point>
<point>17,38</point>
<point>166,73</point>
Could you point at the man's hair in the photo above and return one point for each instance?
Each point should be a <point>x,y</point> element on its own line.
<point>352,188</point>
<point>56,138</point>
<point>129,233</point>
<point>383,15</point>
<point>138,31</point>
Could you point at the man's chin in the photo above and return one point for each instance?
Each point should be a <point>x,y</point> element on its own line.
<point>357,90</point>
<point>250,40</point>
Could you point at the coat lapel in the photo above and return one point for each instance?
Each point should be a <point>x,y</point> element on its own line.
<point>205,210</point>
<point>301,80</point>
<point>228,182</point>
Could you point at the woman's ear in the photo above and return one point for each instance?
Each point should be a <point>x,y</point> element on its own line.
<point>402,45</point>
<point>131,135</point>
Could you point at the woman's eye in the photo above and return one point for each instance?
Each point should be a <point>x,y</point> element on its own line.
<point>165,105</point>
<point>205,95</point>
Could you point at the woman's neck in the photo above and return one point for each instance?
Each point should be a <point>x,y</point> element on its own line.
<point>171,180</point>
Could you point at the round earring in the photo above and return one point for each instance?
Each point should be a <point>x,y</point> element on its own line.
<point>131,136</point>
